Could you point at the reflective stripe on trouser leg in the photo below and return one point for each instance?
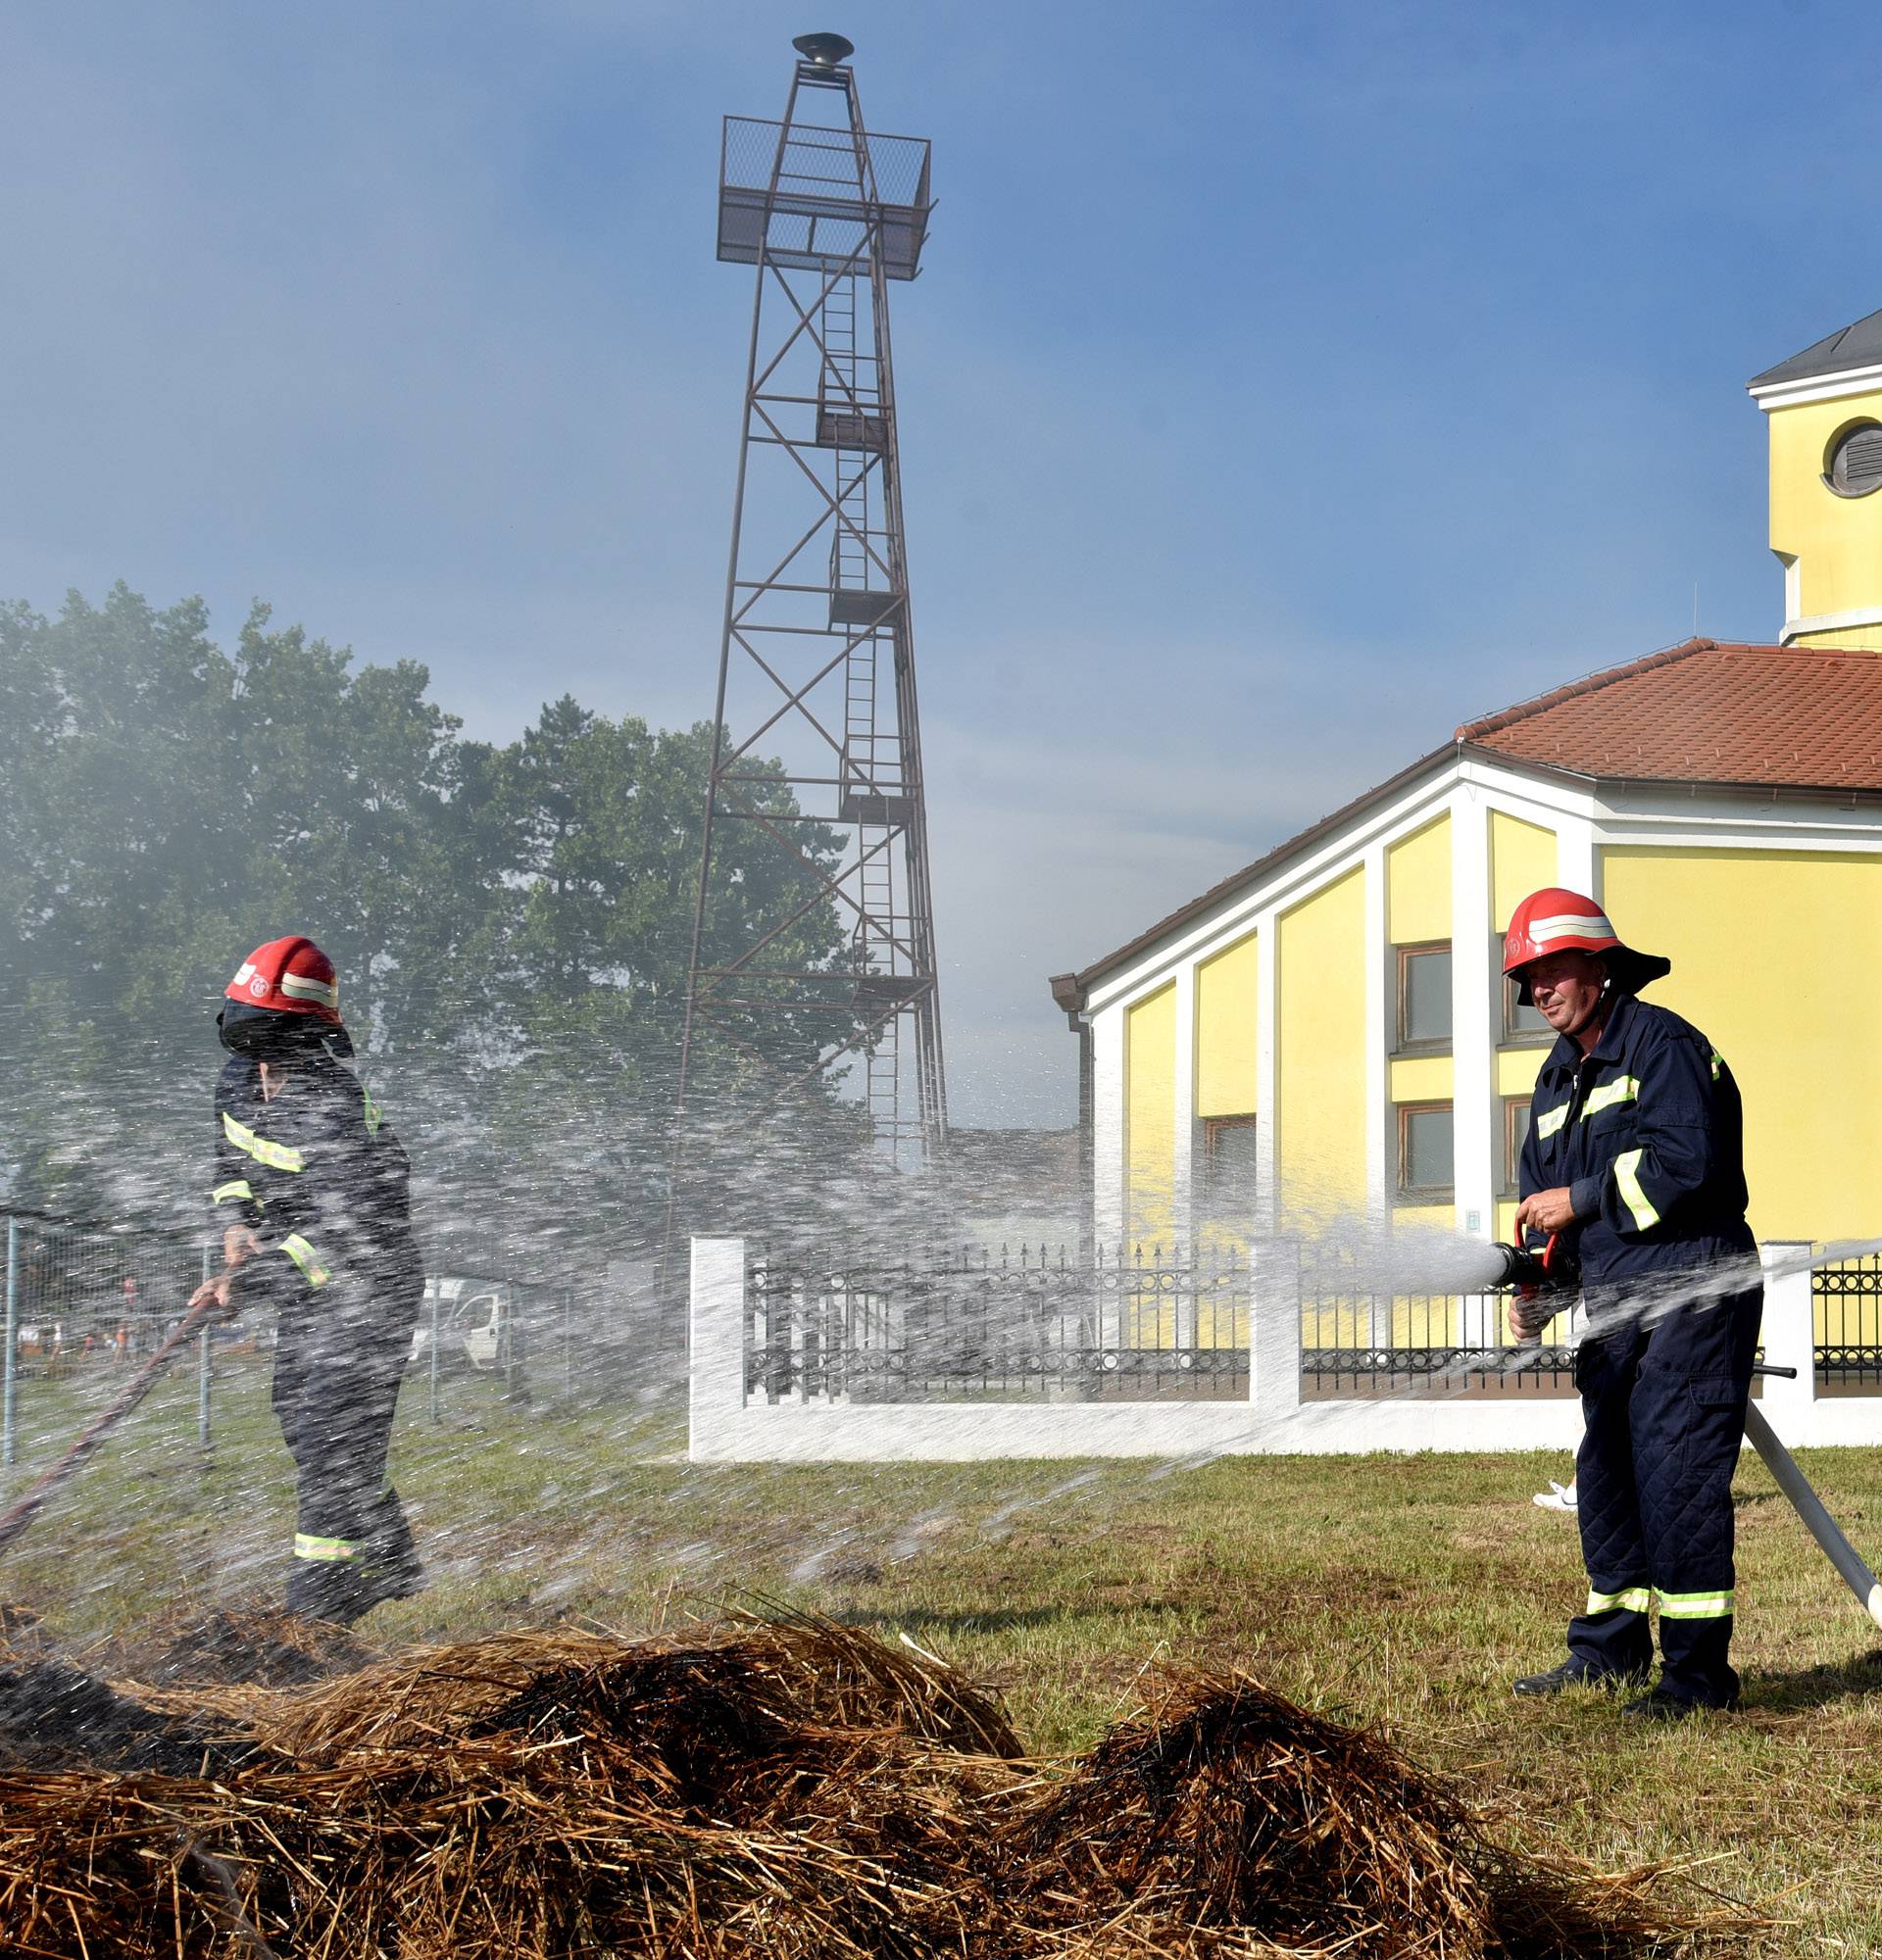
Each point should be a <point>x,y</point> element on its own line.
<point>327,1551</point>
<point>1696,1606</point>
<point>1629,1599</point>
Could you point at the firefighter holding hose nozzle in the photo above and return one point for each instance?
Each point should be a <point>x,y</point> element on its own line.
<point>1633,1178</point>
<point>311,1184</point>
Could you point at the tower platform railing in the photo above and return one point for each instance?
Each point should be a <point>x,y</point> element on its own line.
<point>821,209</point>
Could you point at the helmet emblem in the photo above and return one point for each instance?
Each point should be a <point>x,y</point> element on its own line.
<point>258,986</point>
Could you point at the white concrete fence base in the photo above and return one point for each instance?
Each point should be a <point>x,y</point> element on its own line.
<point>728,1426</point>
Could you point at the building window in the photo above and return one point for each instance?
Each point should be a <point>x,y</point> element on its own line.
<point>1424,995</point>
<point>1425,1159</point>
<point>1516,1129</point>
<point>1228,1164</point>
<point>1854,466</point>
<point>1520,1023</point>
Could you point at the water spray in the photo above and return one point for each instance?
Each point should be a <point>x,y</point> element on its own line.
<point>1553,1270</point>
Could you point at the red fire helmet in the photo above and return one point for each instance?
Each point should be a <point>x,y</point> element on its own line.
<point>288,976</point>
<point>1555,920</point>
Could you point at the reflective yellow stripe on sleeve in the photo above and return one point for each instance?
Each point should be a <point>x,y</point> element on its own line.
<point>1629,1599</point>
<point>329,1550</point>
<point>303,1255</point>
<point>1623,1089</point>
<point>1550,1120</point>
<point>1627,1182</point>
<point>236,1187</point>
<point>1696,1606</point>
<point>276,1156</point>
<point>374,1116</point>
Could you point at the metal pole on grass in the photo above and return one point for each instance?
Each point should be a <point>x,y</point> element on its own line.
<point>204,1362</point>
<point>1848,1562</point>
<point>13,1339</point>
<point>568,1348</point>
<point>437,1294</point>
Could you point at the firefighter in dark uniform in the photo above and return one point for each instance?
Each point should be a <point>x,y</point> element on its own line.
<point>1634,1164</point>
<point>311,1184</point>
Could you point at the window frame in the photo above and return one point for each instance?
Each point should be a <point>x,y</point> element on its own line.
<point>1408,1043</point>
<point>1424,1194</point>
<point>1514,1108</point>
<point>1212,1128</point>
<point>1514,1036</point>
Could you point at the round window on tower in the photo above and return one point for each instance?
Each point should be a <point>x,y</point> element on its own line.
<point>1852,467</point>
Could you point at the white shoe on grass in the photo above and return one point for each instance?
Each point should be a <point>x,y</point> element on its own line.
<point>1558,1497</point>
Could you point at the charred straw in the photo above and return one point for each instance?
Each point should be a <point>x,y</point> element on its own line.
<point>787,1787</point>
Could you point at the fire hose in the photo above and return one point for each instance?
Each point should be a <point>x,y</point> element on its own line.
<point>27,1506</point>
<point>1529,1273</point>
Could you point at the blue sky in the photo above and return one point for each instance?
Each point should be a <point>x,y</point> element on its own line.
<point>1275,394</point>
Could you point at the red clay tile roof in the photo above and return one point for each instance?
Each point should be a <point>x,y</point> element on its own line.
<point>1793,717</point>
<point>1797,719</point>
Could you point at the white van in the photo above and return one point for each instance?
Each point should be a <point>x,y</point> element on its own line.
<point>471,1317</point>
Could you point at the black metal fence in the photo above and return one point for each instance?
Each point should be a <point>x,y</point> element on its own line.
<point>1357,1343</point>
<point>963,1323</point>
<point>85,1303</point>
<point>1846,1300</point>
<point>966,1322</point>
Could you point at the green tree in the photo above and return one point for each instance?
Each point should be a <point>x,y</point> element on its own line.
<point>512,924</point>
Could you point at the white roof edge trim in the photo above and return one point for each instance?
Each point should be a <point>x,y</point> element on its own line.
<point>1333,857</point>
<point>1817,387</point>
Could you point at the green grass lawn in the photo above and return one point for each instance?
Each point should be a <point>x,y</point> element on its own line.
<point>1402,1592</point>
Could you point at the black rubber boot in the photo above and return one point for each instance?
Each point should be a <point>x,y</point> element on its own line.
<point>338,1590</point>
<point>1659,1705</point>
<point>1574,1672</point>
<point>396,1570</point>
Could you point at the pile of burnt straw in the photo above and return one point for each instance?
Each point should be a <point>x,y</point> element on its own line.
<point>761,1789</point>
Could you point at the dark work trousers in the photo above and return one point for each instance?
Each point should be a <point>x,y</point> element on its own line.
<point>340,1354</point>
<point>1665,1407</point>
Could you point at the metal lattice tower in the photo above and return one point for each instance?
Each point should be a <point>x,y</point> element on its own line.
<point>816,661</point>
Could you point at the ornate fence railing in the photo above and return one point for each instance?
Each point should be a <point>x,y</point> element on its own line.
<point>1846,1300</point>
<point>1146,1324</point>
<point>968,1322</point>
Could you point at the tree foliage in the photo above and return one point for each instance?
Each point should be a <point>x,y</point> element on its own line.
<point>512,923</point>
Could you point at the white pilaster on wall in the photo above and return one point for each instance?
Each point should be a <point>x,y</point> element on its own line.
<point>1575,856</point>
<point>715,1347</point>
<point>1268,1071</point>
<point>1183,1132</point>
<point>1381,1010</point>
<point>1107,1126</point>
<point>1789,1334</point>
<point>1474,1030</point>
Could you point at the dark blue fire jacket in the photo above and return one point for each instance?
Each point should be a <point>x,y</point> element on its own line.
<point>1647,1134</point>
<point>319,1176</point>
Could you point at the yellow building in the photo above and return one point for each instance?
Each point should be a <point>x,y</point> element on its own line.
<point>1825,408</point>
<point>1327,1031</point>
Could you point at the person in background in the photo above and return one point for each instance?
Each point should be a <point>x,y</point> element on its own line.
<point>313,1186</point>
